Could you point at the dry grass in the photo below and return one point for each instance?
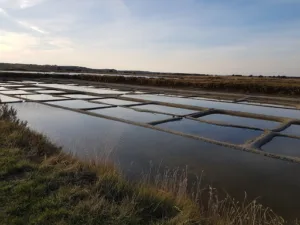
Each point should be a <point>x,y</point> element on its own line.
<point>41,185</point>
<point>212,209</point>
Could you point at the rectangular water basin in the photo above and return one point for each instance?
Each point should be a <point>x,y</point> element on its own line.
<point>171,95</point>
<point>165,109</point>
<point>212,99</point>
<point>267,104</point>
<point>30,88</point>
<point>279,112</point>
<point>242,121</point>
<point>24,82</point>
<point>5,99</point>
<point>12,85</point>
<point>42,97</point>
<point>77,104</point>
<point>219,133</point>
<point>50,92</point>
<point>15,92</point>
<point>130,114</point>
<point>294,129</point>
<point>30,82</point>
<point>81,96</point>
<point>83,89</point>
<point>283,146</point>
<point>114,101</point>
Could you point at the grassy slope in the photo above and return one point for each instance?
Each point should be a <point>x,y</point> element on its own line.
<point>61,190</point>
<point>41,185</point>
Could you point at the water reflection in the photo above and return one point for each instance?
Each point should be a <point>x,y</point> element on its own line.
<point>130,114</point>
<point>294,129</point>
<point>243,121</point>
<point>283,146</point>
<point>77,104</point>
<point>134,147</point>
<point>222,105</point>
<point>165,109</point>
<point>220,133</point>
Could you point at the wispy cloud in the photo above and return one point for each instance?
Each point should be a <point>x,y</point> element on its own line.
<point>22,4</point>
<point>29,3</point>
<point>22,23</point>
<point>32,27</point>
<point>3,12</point>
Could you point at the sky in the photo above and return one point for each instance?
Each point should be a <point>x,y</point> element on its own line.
<point>191,36</point>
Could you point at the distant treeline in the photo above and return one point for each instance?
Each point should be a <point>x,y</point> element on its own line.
<point>51,68</point>
<point>79,69</point>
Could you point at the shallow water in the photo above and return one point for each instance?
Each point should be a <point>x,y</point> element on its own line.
<point>283,146</point>
<point>220,133</point>
<point>15,92</point>
<point>130,114</point>
<point>42,97</point>
<point>139,92</point>
<point>243,121</point>
<point>267,104</point>
<point>31,88</point>
<point>4,99</point>
<point>223,105</point>
<point>294,129</point>
<point>11,85</point>
<point>133,148</point>
<point>211,99</point>
<point>165,109</point>
<point>25,81</point>
<point>31,82</point>
<point>171,95</point>
<point>114,101</point>
<point>80,96</point>
<point>77,104</point>
<point>50,92</point>
<point>83,89</point>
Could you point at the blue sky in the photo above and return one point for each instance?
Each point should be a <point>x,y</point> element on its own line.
<point>201,36</point>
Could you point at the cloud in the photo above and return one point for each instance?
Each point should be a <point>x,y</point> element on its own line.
<point>20,4</point>
<point>3,12</point>
<point>32,27</point>
<point>216,60</point>
<point>175,36</point>
<point>29,3</point>
<point>22,23</point>
<point>22,44</point>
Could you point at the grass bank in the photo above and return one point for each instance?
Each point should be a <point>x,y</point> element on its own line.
<point>39,184</point>
<point>236,84</point>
